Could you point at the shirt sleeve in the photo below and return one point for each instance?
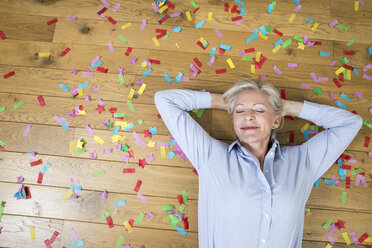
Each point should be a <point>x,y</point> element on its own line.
<point>194,141</point>
<point>324,148</point>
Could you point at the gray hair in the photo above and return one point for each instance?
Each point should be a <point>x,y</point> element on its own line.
<point>273,96</point>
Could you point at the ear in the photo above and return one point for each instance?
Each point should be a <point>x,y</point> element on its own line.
<point>277,121</point>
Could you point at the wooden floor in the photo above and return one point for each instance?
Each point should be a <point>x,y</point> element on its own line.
<point>24,23</point>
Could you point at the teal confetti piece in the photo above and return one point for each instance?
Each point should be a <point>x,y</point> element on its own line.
<point>78,243</point>
<point>242,11</point>
<point>306,135</point>
<point>324,54</point>
<point>340,104</point>
<point>83,85</point>
<point>171,154</point>
<point>181,230</point>
<point>270,8</point>
<point>240,2</point>
<point>309,20</point>
<point>145,73</point>
<point>369,50</point>
<point>120,203</point>
<point>225,47</point>
<point>177,29</point>
<point>213,51</point>
<point>180,74</point>
<point>199,24</point>
<point>75,187</point>
<point>263,30</point>
<point>317,182</point>
<point>98,63</point>
<point>46,166</point>
<point>329,182</point>
<point>280,41</point>
<point>128,127</point>
<point>130,105</point>
<point>165,75</point>
<point>116,129</point>
<point>121,37</point>
<point>345,97</point>
<point>17,105</point>
<point>64,87</point>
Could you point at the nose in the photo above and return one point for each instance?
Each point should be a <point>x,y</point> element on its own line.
<point>249,115</point>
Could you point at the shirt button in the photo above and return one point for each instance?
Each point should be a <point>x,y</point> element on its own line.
<point>267,190</point>
<point>263,241</point>
<point>267,171</point>
<point>271,153</point>
<point>266,215</point>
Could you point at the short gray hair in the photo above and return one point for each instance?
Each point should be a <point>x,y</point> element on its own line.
<point>273,96</point>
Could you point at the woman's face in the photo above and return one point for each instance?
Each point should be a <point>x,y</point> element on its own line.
<point>253,117</point>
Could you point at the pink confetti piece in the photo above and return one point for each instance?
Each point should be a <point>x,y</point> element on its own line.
<point>118,147</point>
<point>139,82</point>
<point>184,79</point>
<point>74,234</point>
<point>322,79</point>
<point>312,74</point>
<point>20,179</point>
<point>27,130</point>
<point>333,228</point>
<point>329,237</point>
<point>106,4</point>
<point>148,62</point>
<point>74,181</point>
<point>353,236</point>
<point>332,96</point>
<point>263,77</point>
<point>107,151</point>
<point>292,65</point>
<point>193,67</point>
<point>183,156</point>
<point>310,44</point>
<point>102,16</point>
<point>142,198</point>
<point>365,76</point>
<point>90,68</point>
<point>149,158</point>
<point>175,14</point>
<point>239,22</point>
<point>104,195</point>
<point>193,74</point>
<point>361,2</point>
<point>306,86</point>
<point>96,59</point>
<point>241,53</point>
<point>306,38</point>
<point>333,63</point>
<point>367,67</point>
<point>133,60</point>
<point>95,89</point>
<point>370,110</point>
<point>74,71</point>
<point>334,179</point>
<point>370,154</point>
<point>298,7</point>
<point>139,141</point>
<point>143,25</point>
<point>70,18</point>
<point>211,61</point>
<point>332,24</point>
<point>121,70</point>
<point>116,7</point>
<point>149,215</point>
<point>100,102</point>
<point>218,33</point>
<point>88,74</point>
<point>111,48</point>
<point>125,158</point>
<point>87,98</point>
<point>276,69</point>
<point>155,7</point>
<point>177,149</point>
<point>93,155</point>
<point>358,94</point>
<point>160,143</point>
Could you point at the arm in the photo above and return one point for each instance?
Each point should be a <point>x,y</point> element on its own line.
<point>323,149</point>
<point>217,102</point>
<point>189,135</point>
<point>292,108</point>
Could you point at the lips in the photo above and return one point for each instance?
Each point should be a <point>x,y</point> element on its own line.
<point>249,128</point>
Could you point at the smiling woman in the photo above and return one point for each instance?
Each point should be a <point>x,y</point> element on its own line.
<point>269,183</point>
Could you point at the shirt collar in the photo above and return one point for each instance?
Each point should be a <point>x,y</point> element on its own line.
<point>237,142</point>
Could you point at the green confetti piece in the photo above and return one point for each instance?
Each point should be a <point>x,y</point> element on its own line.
<point>317,90</point>
<point>184,196</point>
<point>328,223</point>
<point>121,37</point>
<point>2,205</point>
<point>130,105</point>
<point>98,173</point>
<point>2,143</point>
<point>2,109</point>
<point>168,207</point>
<point>344,60</point>
<point>247,58</point>
<point>17,105</point>
<point>165,37</point>
<point>73,96</point>
<point>343,197</point>
<point>79,151</point>
<point>200,113</point>
<point>140,218</point>
<point>119,114</point>
<point>273,3</point>
<point>107,214</point>
<point>124,148</point>
<point>173,220</point>
<point>181,208</point>
<point>368,124</point>
<point>24,193</point>
<point>140,121</point>
<point>342,27</point>
<point>286,43</point>
<point>194,4</point>
<point>121,78</point>
<point>350,42</point>
<point>269,29</point>
<point>345,73</point>
<point>356,172</point>
<point>298,38</point>
<point>120,241</point>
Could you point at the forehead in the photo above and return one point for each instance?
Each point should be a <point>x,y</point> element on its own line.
<point>251,97</point>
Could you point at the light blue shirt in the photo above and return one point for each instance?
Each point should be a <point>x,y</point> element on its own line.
<point>240,205</point>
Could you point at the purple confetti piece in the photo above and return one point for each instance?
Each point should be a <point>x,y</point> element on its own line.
<point>175,14</point>
<point>147,61</point>
<point>104,195</point>
<point>70,18</point>
<point>352,160</point>
<point>74,181</point>
<point>194,74</point>
<point>332,96</point>
<point>116,7</point>
<point>193,67</point>
<point>100,102</point>
<point>184,79</point>
<point>32,157</point>
<point>155,7</point>
<point>95,89</point>
<point>87,98</point>
<point>334,179</point>
<point>365,76</point>
<point>93,155</point>
<point>139,82</point>
<point>370,154</point>
<point>241,53</point>
<point>149,158</point>
<point>74,71</point>
<point>74,195</point>
<point>367,67</point>
<point>183,156</point>
<point>322,79</point>
<point>133,60</point>
<point>118,147</point>
<point>75,91</point>
<point>102,16</point>
<point>370,110</point>
<point>149,215</point>
<point>332,24</point>
<point>329,237</point>
<point>88,74</point>
<point>65,121</point>
<point>333,228</point>
<point>96,59</point>
<point>312,74</point>
<point>27,130</point>
<point>20,179</point>
<point>173,212</point>
<point>357,180</point>
<point>143,25</point>
<point>292,65</point>
<point>125,158</point>
<point>239,22</point>
<point>57,119</point>
<point>111,48</point>
<point>276,69</point>
<point>177,149</point>
<point>90,68</point>
<point>298,7</point>
<point>353,236</point>
<point>310,44</point>
<point>170,137</point>
<point>107,151</point>
<point>306,38</point>
<point>138,139</point>
<point>211,61</point>
<point>142,198</point>
<point>121,70</point>
<point>306,86</point>
<point>333,63</point>
<point>364,181</point>
<point>361,2</point>
<point>106,4</point>
<point>126,246</point>
<point>160,143</point>
<point>218,33</point>
<point>263,77</point>
<point>74,234</point>
<point>358,94</point>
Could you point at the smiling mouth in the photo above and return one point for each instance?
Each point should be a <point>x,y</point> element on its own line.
<point>249,128</point>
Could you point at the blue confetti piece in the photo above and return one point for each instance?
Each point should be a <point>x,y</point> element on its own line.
<point>116,129</point>
<point>255,34</point>
<point>153,130</point>
<point>180,74</point>
<point>345,96</point>
<point>306,135</point>
<point>127,127</point>
<point>18,195</point>
<point>280,41</point>
<point>147,72</point>
<point>120,203</point>
<point>263,30</point>
<point>180,230</point>
<point>64,125</point>
<point>296,2</point>
<point>177,29</point>
<point>240,2</point>
<point>82,86</point>
<point>97,63</point>
<point>309,20</point>
<point>172,142</point>
<point>75,187</point>
<point>342,173</point>
<point>213,51</point>
<point>270,8</point>
<point>324,54</point>
<point>78,243</point>
<point>317,182</point>
<point>201,23</point>
<point>66,88</point>
<point>225,47</point>
<point>340,104</point>
<point>329,182</point>
<point>355,71</point>
<point>340,162</point>
<point>46,166</point>
<point>369,50</point>
<point>171,155</point>
<point>169,80</point>
<point>242,11</point>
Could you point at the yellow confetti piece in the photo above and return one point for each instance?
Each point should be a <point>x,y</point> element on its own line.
<point>368,240</point>
<point>292,17</point>
<point>82,112</point>
<point>210,16</point>
<point>121,123</point>
<point>258,57</point>
<point>203,41</point>
<point>263,36</point>
<point>79,144</point>
<point>32,231</point>
<point>162,152</point>
<point>117,138</point>
<point>128,226</point>
<point>188,16</point>
<point>329,246</point>
<point>356,6</point>
<point>131,93</point>
<point>156,42</point>
<point>253,69</point>
<point>346,238</point>
<point>275,49</point>
<point>348,74</point>
<point>99,140</point>
<point>72,147</point>
<point>301,46</point>
<point>151,143</point>
<point>143,87</point>
<point>81,93</point>
<point>68,194</point>
<point>44,55</point>
<point>143,65</point>
<point>305,127</point>
<point>231,64</point>
<point>315,26</point>
<point>163,8</point>
<point>340,70</point>
<point>178,46</point>
<point>126,25</point>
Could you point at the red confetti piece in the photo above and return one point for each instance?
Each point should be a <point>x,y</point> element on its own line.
<point>227,7</point>
<point>219,71</point>
<point>341,77</point>
<point>221,51</point>
<point>337,83</point>
<point>340,224</point>
<point>346,167</point>
<point>111,20</point>
<point>289,117</point>
<point>2,35</point>
<point>354,112</point>
<point>163,19</point>
<point>186,223</point>
<point>195,171</point>
<point>102,11</point>
<point>237,18</point>
<point>100,108</point>
<point>147,134</point>
<point>195,10</point>
<point>159,116</point>
<point>52,21</point>
<point>162,33</point>
<point>200,44</point>
<point>40,178</point>
<point>28,192</point>
<point>131,154</point>
<point>109,222</point>
<point>138,185</point>
<point>291,136</point>
<point>129,50</point>
<point>166,10</point>
<point>346,157</point>
<point>348,182</point>
<point>54,236</point>
<point>65,51</point>
<point>366,141</point>
<point>142,163</point>
<point>249,50</point>
<point>101,69</point>
<point>180,199</point>
<point>349,52</point>
<point>234,9</point>
<point>348,67</point>
<point>155,61</point>
<point>47,243</point>
<point>129,170</point>
<point>41,101</point>
<point>9,74</point>
<point>37,162</point>
<point>131,221</point>
<point>1,149</point>
<point>277,32</point>
<point>282,93</point>
<point>197,61</point>
<point>363,237</point>
<point>170,5</point>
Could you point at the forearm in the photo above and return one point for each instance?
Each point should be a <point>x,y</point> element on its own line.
<point>292,108</point>
<point>217,102</point>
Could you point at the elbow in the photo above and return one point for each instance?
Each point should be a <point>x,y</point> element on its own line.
<point>358,121</point>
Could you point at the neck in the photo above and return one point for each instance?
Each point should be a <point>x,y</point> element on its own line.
<point>259,150</point>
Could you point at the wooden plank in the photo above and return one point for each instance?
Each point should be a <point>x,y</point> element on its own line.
<point>317,244</point>
<point>47,202</point>
<point>16,231</point>
<point>25,27</point>
<point>359,60</point>
<point>164,181</point>
<point>344,10</point>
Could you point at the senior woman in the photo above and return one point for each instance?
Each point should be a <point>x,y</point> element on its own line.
<point>253,192</point>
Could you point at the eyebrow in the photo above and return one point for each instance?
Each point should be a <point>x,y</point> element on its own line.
<point>253,104</point>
